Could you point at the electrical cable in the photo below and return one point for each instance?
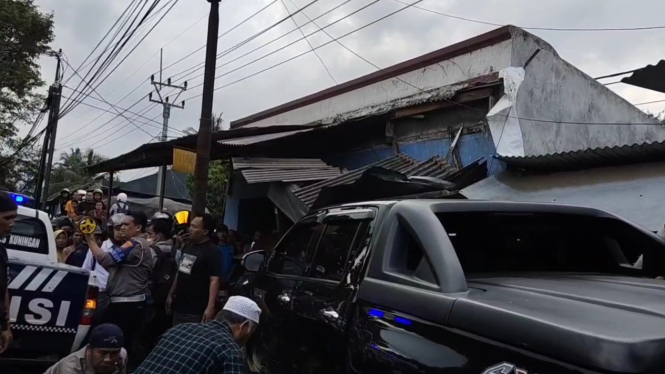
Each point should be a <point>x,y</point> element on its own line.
<point>573,29</point>
<point>298,40</point>
<point>223,34</point>
<point>173,3</point>
<point>155,54</point>
<point>133,13</point>
<point>259,47</point>
<point>200,66</point>
<point>308,42</point>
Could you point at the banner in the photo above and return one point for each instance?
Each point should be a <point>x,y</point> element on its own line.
<point>183,161</point>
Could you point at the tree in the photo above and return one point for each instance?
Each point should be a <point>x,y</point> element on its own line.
<point>218,178</point>
<point>71,171</point>
<point>24,35</point>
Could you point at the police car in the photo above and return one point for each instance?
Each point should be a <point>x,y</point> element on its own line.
<point>51,304</point>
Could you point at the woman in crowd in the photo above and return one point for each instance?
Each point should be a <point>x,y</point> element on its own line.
<point>61,240</point>
<point>99,213</point>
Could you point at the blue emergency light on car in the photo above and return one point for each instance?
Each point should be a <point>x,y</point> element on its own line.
<point>22,200</point>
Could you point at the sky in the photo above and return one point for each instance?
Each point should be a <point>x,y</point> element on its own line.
<point>81,24</point>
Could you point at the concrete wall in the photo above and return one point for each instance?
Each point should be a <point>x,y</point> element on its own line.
<point>634,192</point>
<point>445,73</point>
<point>555,90</point>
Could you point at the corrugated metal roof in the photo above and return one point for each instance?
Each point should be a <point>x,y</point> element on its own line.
<point>247,140</point>
<point>289,175</point>
<point>590,158</point>
<point>651,77</point>
<point>288,170</point>
<point>240,163</point>
<point>434,167</point>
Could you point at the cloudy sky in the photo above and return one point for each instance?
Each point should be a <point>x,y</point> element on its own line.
<point>80,24</point>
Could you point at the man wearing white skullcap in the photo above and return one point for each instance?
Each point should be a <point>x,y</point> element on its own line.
<point>198,348</point>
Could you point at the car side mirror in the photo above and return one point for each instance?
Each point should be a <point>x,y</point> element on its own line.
<point>252,261</point>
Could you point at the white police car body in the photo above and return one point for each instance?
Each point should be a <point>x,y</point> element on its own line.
<point>51,304</point>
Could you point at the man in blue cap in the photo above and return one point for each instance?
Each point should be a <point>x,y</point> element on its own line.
<point>103,354</point>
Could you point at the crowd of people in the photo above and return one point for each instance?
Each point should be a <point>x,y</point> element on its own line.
<point>163,288</point>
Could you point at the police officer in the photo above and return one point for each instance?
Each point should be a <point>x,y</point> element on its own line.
<point>8,212</point>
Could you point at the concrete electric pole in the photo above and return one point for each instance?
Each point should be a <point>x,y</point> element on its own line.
<point>46,160</point>
<point>205,125</point>
<point>166,105</point>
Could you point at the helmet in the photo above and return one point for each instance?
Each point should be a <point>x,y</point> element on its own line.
<point>122,197</point>
<point>82,192</point>
<point>64,190</point>
<point>98,191</point>
<point>161,215</point>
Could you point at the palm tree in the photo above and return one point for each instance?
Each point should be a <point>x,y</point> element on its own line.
<point>71,171</point>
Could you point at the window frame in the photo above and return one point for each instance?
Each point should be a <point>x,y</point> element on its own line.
<point>360,214</point>
<point>44,244</point>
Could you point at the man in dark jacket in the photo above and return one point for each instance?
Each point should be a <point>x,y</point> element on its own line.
<point>8,213</point>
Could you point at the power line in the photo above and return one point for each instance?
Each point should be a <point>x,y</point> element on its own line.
<point>296,41</point>
<point>573,29</point>
<point>111,57</point>
<point>308,42</point>
<point>650,102</point>
<point>199,66</point>
<point>155,54</point>
<point>92,135</point>
<point>224,34</point>
<point>130,121</point>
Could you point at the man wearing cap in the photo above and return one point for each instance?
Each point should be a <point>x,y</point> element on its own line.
<point>209,347</point>
<point>103,354</point>
<point>8,213</point>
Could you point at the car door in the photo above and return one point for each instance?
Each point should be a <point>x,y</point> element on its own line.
<point>273,290</point>
<point>322,301</point>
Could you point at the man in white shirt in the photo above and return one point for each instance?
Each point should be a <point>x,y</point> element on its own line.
<point>115,241</point>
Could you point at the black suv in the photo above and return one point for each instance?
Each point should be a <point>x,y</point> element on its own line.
<point>431,286</point>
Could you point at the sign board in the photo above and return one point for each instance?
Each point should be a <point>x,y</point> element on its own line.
<point>183,161</point>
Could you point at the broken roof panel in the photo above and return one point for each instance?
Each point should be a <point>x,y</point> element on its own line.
<point>651,77</point>
<point>434,167</point>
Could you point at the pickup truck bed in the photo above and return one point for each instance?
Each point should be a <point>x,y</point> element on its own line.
<point>601,321</point>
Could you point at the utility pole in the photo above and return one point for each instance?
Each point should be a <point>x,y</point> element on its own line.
<point>164,102</point>
<point>48,148</point>
<point>205,125</point>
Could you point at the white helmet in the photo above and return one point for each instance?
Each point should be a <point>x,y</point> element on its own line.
<point>82,192</point>
<point>122,197</point>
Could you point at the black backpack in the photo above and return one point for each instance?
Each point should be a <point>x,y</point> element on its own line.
<point>124,208</point>
<point>163,274</point>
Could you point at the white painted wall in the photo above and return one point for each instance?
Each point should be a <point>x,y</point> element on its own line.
<point>446,73</point>
<point>555,90</point>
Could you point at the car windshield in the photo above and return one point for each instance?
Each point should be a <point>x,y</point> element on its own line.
<point>516,242</point>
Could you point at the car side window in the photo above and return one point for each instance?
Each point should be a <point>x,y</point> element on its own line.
<point>28,235</point>
<point>290,256</point>
<point>337,247</point>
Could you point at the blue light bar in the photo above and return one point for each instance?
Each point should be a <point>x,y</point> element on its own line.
<point>19,199</point>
